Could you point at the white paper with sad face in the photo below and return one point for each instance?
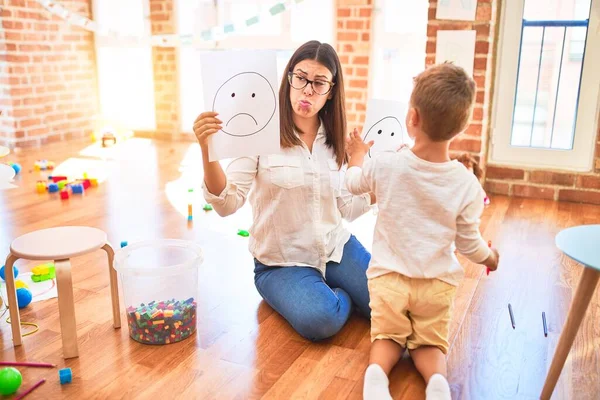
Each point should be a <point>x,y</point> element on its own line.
<point>242,87</point>
<point>385,124</point>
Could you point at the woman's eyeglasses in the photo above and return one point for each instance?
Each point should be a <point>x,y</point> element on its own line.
<point>319,86</point>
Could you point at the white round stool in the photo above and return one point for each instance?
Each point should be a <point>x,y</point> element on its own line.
<point>7,173</point>
<point>60,244</point>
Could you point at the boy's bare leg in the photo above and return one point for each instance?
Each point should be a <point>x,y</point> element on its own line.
<point>431,364</point>
<point>429,360</point>
<point>384,355</point>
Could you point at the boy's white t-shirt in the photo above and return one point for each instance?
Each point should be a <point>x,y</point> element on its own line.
<point>424,209</point>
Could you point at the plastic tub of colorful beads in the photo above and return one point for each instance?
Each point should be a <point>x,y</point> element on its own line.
<point>160,288</point>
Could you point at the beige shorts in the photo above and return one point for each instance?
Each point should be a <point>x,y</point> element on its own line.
<point>411,312</point>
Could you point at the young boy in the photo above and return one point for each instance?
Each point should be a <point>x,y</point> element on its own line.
<point>427,205</point>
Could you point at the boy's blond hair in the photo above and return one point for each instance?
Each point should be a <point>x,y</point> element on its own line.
<point>444,95</point>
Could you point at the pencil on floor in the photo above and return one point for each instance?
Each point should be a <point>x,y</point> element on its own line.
<point>26,364</point>
<point>512,317</point>
<point>31,389</point>
<point>487,269</point>
<point>545,326</point>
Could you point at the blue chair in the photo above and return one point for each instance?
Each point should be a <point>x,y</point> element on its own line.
<point>582,244</point>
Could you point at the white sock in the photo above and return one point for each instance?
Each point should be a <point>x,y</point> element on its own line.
<point>438,388</point>
<point>376,384</point>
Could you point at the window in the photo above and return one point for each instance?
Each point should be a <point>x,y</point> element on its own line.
<point>283,32</point>
<point>125,76</point>
<point>546,101</point>
<point>398,51</point>
<point>577,36</point>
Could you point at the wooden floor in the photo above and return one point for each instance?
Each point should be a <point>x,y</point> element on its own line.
<point>243,349</point>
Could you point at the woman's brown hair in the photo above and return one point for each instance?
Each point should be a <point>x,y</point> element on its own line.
<point>333,113</point>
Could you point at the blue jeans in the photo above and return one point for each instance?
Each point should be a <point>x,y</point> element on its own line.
<point>318,308</point>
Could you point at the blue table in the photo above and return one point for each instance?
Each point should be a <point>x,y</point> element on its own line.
<point>582,244</point>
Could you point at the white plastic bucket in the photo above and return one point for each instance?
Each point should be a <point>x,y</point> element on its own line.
<point>160,288</point>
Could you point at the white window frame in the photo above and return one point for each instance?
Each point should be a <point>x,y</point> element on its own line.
<point>580,158</point>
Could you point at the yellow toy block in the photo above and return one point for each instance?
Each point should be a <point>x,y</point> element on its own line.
<point>43,272</point>
<point>41,269</point>
<point>20,284</point>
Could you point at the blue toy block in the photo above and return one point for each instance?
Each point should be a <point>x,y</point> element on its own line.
<point>123,243</point>
<point>77,188</point>
<point>65,375</point>
<point>53,188</point>
<point>16,167</point>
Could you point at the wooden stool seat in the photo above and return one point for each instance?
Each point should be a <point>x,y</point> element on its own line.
<point>60,244</point>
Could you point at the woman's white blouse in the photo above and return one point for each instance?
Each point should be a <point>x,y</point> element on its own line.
<point>298,201</point>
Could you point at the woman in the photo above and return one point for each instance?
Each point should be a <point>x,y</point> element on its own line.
<point>308,267</point>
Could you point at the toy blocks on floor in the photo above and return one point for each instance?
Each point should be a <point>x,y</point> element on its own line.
<point>65,375</point>
<point>43,272</point>
<point>43,165</point>
<point>77,188</point>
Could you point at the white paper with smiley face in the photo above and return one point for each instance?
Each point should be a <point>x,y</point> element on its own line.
<point>242,87</point>
<point>385,124</point>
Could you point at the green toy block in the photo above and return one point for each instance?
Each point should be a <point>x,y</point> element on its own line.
<point>51,274</point>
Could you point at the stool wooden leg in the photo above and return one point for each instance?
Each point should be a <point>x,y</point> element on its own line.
<point>583,295</point>
<point>13,307</point>
<point>114,286</point>
<point>66,308</point>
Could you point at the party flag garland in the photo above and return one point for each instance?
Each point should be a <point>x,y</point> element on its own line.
<point>168,40</point>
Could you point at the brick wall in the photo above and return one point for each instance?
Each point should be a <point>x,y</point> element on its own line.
<point>519,182</point>
<point>7,127</point>
<point>474,140</point>
<point>57,98</point>
<point>353,37</point>
<point>47,72</point>
<point>546,184</point>
<point>166,82</point>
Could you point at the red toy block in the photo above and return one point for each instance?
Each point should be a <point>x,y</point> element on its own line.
<point>57,178</point>
<point>64,194</point>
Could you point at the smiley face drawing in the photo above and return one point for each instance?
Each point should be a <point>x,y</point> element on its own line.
<point>387,134</point>
<point>246,104</point>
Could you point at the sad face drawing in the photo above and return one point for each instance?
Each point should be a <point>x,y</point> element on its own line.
<point>246,104</point>
<point>387,133</point>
